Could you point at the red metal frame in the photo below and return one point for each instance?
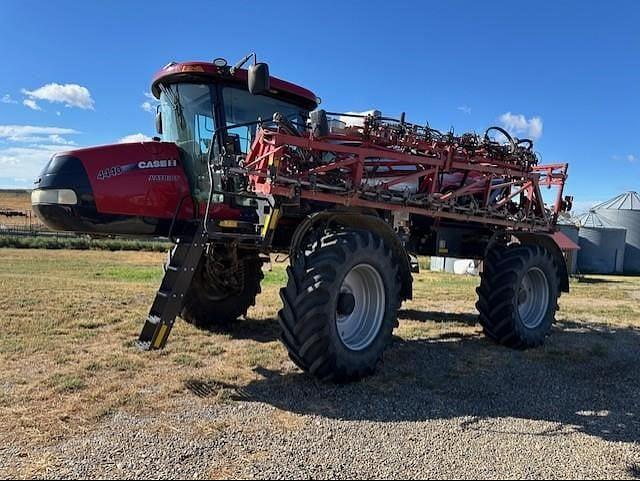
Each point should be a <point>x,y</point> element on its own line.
<point>455,182</point>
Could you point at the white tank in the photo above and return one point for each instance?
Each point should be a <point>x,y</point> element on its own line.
<point>338,125</point>
<point>442,264</point>
<point>454,266</point>
<point>357,121</point>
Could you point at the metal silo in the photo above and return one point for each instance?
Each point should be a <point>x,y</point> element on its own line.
<point>624,211</point>
<point>602,245</point>
<point>570,227</point>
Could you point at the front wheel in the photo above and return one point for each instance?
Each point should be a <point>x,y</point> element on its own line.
<point>340,306</point>
<point>222,290</point>
<point>518,295</point>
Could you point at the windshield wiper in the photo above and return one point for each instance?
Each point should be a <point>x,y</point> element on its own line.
<point>174,100</point>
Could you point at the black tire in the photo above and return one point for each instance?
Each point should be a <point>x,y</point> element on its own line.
<point>206,309</point>
<point>504,292</point>
<point>309,317</point>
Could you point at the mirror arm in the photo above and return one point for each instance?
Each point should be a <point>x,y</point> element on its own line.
<point>243,61</point>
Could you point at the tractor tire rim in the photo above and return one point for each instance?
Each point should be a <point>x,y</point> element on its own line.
<point>360,324</point>
<point>533,298</point>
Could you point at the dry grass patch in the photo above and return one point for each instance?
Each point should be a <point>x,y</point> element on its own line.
<point>70,319</point>
<point>15,200</point>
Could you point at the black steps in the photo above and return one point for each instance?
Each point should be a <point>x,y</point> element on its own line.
<point>170,296</point>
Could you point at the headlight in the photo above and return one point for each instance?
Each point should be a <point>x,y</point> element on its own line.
<point>54,196</point>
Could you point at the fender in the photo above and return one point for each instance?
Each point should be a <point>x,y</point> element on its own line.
<point>546,241</point>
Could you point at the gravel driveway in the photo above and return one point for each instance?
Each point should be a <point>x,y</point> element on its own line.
<point>456,406</point>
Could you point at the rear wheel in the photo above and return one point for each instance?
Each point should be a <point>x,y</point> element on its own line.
<point>518,295</point>
<point>224,286</point>
<point>340,306</point>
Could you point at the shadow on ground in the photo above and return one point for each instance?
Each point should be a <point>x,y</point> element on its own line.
<point>586,378</point>
<point>432,316</point>
<point>267,330</point>
<point>597,280</point>
<point>263,330</point>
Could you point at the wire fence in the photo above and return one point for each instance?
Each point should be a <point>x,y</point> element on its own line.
<point>24,223</point>
<point>23,229</point>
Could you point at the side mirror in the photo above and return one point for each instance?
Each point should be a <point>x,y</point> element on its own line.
<point>158,121</point>
<point>319,123</point>
<point>258,78</point>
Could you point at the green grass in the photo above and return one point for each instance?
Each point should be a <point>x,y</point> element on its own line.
<point>123,363</point>
<point>93,367</point>
<point>67,383</point>
<point>132,273</point>
<point>5,400</point>
<point>276,276</point>
<point>262,355</point>
<point>186,360</point>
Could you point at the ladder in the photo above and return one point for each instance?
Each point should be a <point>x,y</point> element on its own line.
<point>170,296</point>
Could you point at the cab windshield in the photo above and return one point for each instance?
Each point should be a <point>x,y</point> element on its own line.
<point>240,106</point>
<point>188,120</point>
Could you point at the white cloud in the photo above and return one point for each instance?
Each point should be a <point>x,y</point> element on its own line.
<point>582,206</point>
<point>31,104</point>
<point>148,107</point>
<point>134,138</point>
<point>631,158</point>
<point>27,148</point>
<point>518,124</point>
<point>6,99</point>
<point>70,95</point>
<point>31,133</point>
<point>15,183</point>
<point>59,140</point>
<point>465,109</point>
<point>31,139</point>
<point>26,162</point>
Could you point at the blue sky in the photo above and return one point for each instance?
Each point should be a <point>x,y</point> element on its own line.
<point>566,72</point>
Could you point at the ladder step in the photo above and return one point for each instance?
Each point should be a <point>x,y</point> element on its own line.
<point>169,298</point>
<point>144,345</point>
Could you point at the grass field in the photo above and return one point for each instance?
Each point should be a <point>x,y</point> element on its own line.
<point>68,321</point>
<point>15,199</point>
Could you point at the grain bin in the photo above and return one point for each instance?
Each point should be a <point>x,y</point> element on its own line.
<point>570,227</point>
<point>602,245</point>
<point>624,211</point>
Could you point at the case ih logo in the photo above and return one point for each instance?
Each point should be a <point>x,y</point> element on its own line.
<point>155,164</point>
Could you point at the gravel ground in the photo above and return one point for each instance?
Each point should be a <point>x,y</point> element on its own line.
<point>450,407</point>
